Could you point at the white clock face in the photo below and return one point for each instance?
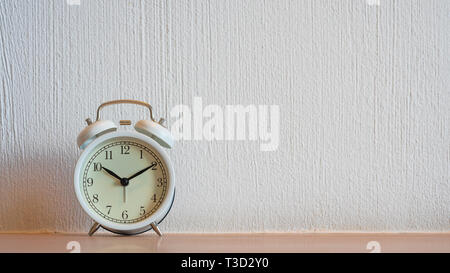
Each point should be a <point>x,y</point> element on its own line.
<point>124,180</point>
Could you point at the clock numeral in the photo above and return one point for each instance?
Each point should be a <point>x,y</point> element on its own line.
<point>125,150</point>
<point>95,198</point>
<point>141,154</point>
<point>108,155</point>
<point>125,214</point>
<point>154,198</point>
<point>98,167</point>
<point>142,211</point>
<point>90,182</point>
<point>160,182</point>
<point>109,209</point>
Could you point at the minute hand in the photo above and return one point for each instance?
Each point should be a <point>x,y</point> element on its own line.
<point>141,171</point>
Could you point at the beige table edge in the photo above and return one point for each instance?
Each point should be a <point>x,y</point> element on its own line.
<point>320,242</point>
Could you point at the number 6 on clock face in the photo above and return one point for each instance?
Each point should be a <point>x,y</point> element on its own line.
<point>125,182</point>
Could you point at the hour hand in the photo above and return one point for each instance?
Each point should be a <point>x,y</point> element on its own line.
<point>112,173</point>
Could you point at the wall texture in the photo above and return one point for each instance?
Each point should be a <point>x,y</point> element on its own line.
<point>363,89</point>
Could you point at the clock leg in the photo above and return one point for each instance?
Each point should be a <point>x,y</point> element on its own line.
<point>156,229</point>
<point>94,228</point>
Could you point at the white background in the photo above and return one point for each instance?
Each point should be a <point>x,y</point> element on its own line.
<point>363,91</point>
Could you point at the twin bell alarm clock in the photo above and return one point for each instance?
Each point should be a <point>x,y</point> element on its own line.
<point>124,179</point>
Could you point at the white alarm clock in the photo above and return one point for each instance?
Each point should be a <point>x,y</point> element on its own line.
<point>124,180</point>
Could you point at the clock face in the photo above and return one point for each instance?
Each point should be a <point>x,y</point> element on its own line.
<point>124,180</point>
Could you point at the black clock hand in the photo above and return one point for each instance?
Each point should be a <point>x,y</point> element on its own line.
<point>142,171</point>
<point>112,173</point>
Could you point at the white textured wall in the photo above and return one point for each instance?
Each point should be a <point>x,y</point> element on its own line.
<point>364,94</point>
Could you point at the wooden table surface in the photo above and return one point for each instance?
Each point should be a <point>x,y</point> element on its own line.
<point>252,242</point>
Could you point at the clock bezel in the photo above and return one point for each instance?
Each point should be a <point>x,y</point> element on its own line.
<point>125,228</point>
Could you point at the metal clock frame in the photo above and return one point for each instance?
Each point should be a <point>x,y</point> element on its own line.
<point>154,224</point>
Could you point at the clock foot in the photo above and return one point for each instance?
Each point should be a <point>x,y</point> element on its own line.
<point>94,228</point>
<point>156,229</point>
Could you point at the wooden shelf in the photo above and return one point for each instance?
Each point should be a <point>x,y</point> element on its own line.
<point>252,242</point>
